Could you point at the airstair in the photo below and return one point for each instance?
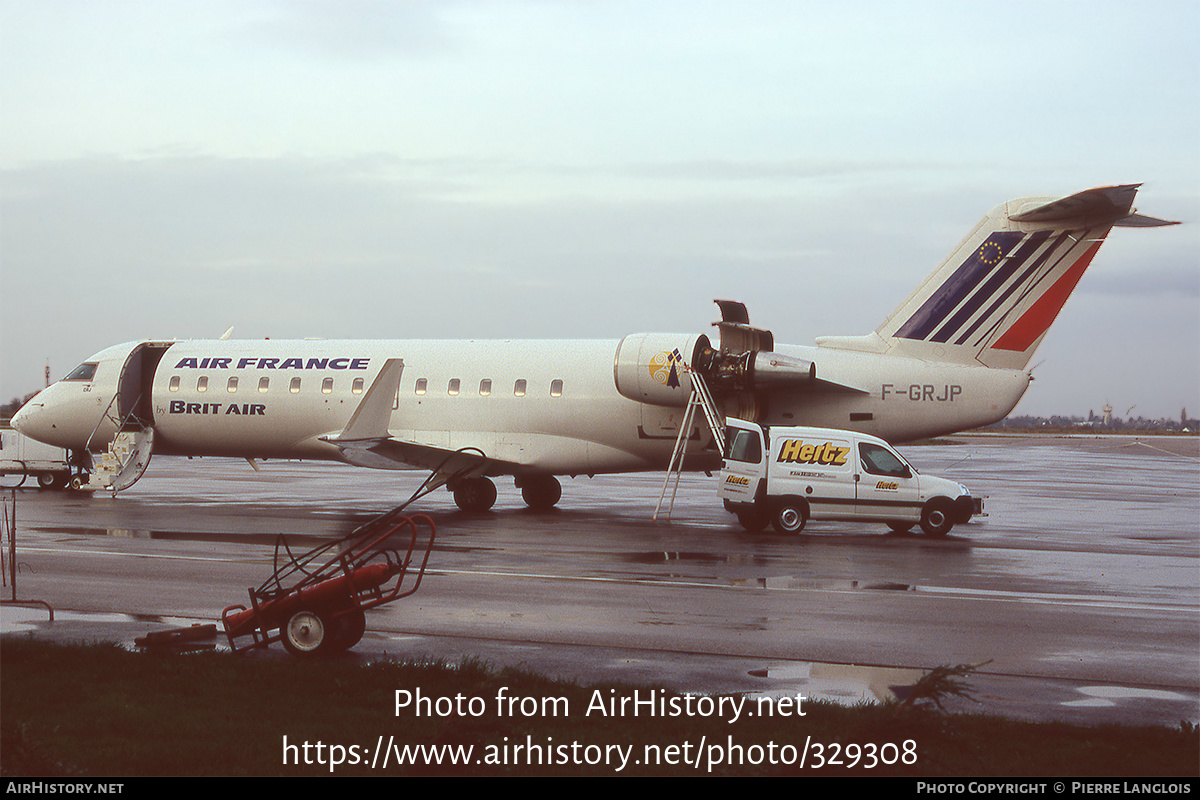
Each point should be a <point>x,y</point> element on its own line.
<point>124,460</point>
<point>701,400</point>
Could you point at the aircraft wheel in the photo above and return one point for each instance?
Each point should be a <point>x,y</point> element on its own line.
<point>752,520</point>
<point>900,527</point>
<point>79,480</point>
<point>305,634</point>
<point>475,494</point>
<point>935,519</point>
<point>541,492</point>
<point>790,517</point>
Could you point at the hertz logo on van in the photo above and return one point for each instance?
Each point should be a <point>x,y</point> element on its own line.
<point>738,479</point>
<point>795,451</point>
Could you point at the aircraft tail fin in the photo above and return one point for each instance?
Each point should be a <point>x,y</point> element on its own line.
<point>992,301</point>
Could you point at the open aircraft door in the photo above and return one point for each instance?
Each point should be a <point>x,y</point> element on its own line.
<point>133,403</point>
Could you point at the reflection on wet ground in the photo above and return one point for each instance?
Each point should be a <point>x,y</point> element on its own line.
<point>1084,571</point>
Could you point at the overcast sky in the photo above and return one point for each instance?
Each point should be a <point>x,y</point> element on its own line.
<point>376,169</point>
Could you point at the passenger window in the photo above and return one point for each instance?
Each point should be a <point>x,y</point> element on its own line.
<point>519,388</point>
<point>232,385</point>
<point>556,388</point>
<point>295,387</point>
<point>327,386</point>
<point>881,461</point>
<point>174,387</point>
<point>357,386</point>
<point>422,383</point>
<point>202,383</point>
<point>264,383</point>
<point>744,446</point>
<point>485,387</point>
<point>453,387</point>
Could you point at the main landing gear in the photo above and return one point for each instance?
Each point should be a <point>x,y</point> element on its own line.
<point>474,494</point>
<point>540,492</point>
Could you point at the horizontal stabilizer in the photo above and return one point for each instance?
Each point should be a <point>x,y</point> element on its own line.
<point>1109,205</point>
<point>1142,221</point>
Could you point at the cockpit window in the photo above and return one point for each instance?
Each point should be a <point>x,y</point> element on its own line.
<point>84,372</point>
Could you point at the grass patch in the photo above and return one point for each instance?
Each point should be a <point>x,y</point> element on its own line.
<point>99,710</point>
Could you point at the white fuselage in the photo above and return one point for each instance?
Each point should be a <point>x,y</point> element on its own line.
<point>550,407</point>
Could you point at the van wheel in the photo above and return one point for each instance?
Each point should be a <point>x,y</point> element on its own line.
<point>752,520</point>
<point>935,519</point>
<point>790,517</point>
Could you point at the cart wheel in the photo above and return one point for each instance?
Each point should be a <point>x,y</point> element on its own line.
<point>348,629</point>
<point>305,634</point>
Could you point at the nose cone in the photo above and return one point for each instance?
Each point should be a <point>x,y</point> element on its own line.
<point>26,420</point>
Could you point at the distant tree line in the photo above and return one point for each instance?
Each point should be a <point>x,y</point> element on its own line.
<point>1061,424</point>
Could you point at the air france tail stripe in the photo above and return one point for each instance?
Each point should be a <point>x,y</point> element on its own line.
<point>1020,282</point>
<point>1069,249</point>
<point>1006,270</point>
<point>1034,322</point>
<point>973,271</point>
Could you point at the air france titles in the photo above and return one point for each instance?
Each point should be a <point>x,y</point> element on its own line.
<point>254,362</point>
<point>273,363</point>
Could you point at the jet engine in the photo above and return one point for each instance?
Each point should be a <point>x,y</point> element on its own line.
<point>656,368</point>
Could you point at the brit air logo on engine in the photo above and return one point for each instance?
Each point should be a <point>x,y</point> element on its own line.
<point>273,363</point>
<point>664,368</point>
<point>795,451</point>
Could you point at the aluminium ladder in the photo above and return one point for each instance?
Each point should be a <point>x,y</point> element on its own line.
<point>702,399</point>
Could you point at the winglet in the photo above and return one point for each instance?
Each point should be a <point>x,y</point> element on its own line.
<point>374,412</point>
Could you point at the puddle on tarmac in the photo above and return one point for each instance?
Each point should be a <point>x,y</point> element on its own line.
<point>846,684</point>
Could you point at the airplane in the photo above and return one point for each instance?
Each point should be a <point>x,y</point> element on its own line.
<point>952,356</point>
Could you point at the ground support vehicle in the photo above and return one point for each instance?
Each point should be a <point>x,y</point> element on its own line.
<point>788,475</point>
<point>315,602</point>
<point>21,455</point>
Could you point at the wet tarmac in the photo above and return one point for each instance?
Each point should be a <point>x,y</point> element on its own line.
<point>1079,592</point>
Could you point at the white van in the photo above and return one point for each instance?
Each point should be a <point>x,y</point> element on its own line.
<point>819,473</point>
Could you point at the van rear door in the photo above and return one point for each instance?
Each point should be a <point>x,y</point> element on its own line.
<point>743,465</point>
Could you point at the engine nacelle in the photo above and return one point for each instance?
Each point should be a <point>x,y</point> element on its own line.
<point>648,367</point>
<point>769,370</point>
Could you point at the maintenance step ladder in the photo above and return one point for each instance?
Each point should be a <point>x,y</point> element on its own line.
<point>701,399</point>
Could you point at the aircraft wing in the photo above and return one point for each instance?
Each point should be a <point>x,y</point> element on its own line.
<point>366,441</point>
<point>390,453</point>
